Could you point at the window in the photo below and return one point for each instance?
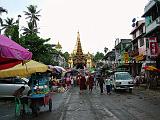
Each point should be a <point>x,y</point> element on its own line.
<point>122,76</point>
<point>141,42</point>
<point>134,35</point>
<point>140,31</point>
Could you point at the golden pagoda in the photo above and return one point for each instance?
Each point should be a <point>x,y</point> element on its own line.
<point>58,46</point>
<point>77,59</point>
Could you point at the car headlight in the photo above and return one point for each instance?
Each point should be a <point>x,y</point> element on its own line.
<point>130,82</point>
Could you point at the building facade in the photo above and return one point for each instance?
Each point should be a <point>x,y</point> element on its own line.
<point>152,24</point>
<point>139,51</point>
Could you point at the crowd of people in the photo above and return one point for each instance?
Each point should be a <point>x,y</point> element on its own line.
<point>85,81</point>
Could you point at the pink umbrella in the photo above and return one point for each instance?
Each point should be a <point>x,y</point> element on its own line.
<point>12,53</point>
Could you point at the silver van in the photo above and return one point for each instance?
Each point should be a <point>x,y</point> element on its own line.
<point>9,85</point>
<point>122,80</point>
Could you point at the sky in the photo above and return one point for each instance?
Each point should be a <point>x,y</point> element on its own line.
<point>99,22</point>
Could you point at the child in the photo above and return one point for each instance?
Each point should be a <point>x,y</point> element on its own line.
<point>108,85</point>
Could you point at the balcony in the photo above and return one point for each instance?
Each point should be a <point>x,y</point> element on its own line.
<point>153,25</point>
<point>149,6</point>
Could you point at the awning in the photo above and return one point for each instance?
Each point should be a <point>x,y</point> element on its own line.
<point>151,68</point>
<point>12,53</point>
<point>24,70</point>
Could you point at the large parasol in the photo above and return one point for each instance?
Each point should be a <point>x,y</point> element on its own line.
<point>12,53</point>
<point>24,70</point>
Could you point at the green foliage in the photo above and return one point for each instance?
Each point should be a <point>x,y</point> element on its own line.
<point>38,46</point>
<point>32,14</point>
<point>11,29</point>
<point>2,10</point>
<point>98,56</point>
<point>66,56</point>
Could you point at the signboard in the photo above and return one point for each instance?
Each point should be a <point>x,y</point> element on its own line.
<point>153,46</point>
<point>126,57</point>
<point>139,57</point>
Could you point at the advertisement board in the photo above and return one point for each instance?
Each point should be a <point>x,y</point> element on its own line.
<point>153,46</point>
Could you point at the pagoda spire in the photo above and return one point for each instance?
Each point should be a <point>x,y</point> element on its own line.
<point>79,47</point>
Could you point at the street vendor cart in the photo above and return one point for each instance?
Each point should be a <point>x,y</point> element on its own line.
<point>40,94</point>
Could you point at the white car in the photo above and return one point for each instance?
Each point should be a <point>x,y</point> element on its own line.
<point>9,85</point>
<point>122,80</point>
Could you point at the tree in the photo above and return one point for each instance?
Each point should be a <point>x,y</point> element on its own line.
<point>2,10</point>
<point>11,29</point>
<point>41,51</point>
<point>98,56</point>
<point>66,56</point>
<point>30,30</point>
<point>32,14</point>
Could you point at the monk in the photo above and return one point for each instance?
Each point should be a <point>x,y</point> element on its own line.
<point>82,83</point>
<point>90,82</point>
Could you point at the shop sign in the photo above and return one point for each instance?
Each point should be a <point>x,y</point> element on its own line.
<point>126,57</point>
<point>139,57</point>
<point>153,46</point>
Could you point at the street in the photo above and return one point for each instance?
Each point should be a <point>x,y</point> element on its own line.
<point>141,104</point>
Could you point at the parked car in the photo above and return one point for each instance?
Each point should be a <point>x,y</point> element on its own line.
<point>122,80</point>
<point>9,85</point>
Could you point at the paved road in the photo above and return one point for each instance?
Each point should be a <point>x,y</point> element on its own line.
<point>118,106</point>
<point>140,105</point>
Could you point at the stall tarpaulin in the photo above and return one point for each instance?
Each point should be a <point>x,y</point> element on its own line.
<point>24,70</point>
<point>12,53</point>
<point>151,68</point>
<point>57,68</point>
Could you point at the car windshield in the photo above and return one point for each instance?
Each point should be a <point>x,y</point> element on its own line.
<point>122,76</point>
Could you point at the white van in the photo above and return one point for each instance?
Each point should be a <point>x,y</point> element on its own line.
<point>122,80</point>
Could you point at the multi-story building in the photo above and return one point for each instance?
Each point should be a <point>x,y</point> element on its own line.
<point>121,54</point>
<point>152,23</point>
<point>110,59</point>
<point>139,51</point>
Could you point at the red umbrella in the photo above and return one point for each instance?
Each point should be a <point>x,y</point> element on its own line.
<point>12,53</point>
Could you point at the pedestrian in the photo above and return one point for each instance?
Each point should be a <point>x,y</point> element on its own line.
<point>68,82</point>
<point>78,78</point>
<point>101,82</point>
<point>108,86</point>
<point>86,76</point>
<point>72,81</point>
<point>90,82</point>
<point>19,92</point>
<point>137,81</point>
<point>82,83</point>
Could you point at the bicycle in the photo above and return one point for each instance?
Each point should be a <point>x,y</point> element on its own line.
<point>18,108</point>
<point>19,103</point>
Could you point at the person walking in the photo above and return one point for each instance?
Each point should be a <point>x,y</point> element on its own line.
<point>90,82</point>
<point>101,82</point>
<point>82,83</point>
<point>108,86</point>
